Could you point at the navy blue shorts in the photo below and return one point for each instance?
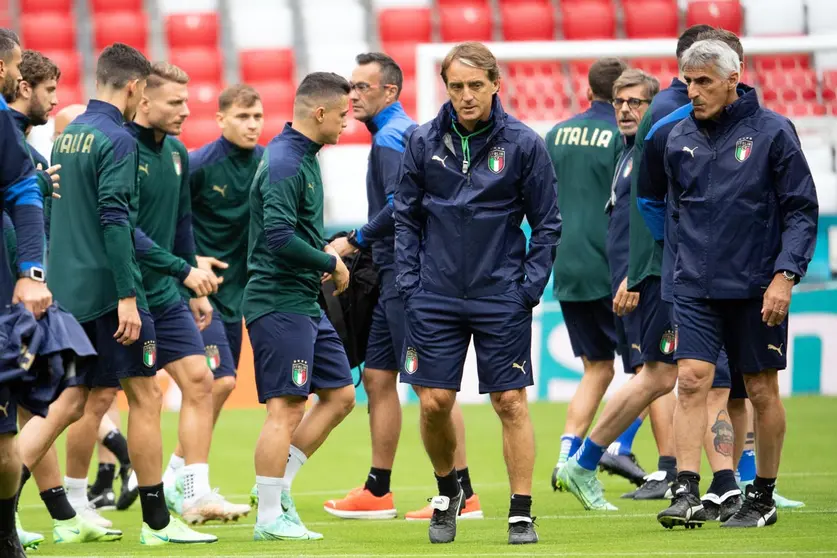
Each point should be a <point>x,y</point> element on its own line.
<point>629,341</point>
<point>439,330</point>
<point>655,322</point>
<point>235,331</point>
<point>386,335</point>
<point>116,362</point>
<point>296,354</point>
<point>592,328</point>
<point>178,335</point>
<point>219,354</point>
<point>8,410</point>
<point>728,379</point>
<point>703,326</point>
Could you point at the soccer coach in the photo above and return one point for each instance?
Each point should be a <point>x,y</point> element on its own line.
<point>468,179</point>
<point>744,210</point>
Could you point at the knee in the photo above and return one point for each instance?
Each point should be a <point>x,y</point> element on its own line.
<point>378,382</point>
<point>659,377</point>
<point>762,389</point>
<point>145,394</point>
<point>436,402</point>
<point>342,400</point>
<point>603,369</point>
<point>100,400</point>
<point>198,380</point>
<point>692,381</point>
<point>510,405</point>
<point>75,406</point>
<point>224,385</point>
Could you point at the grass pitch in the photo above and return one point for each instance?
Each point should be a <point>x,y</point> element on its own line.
<point>808,473</point>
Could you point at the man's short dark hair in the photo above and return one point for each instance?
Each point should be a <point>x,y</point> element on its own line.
<point>35,68</point>
<point>690,37</point>
<point>322,86</point>
<point>239,94</point>
<point>731,39</point>
<point>8,41</point>
<point>391,73</point>
<point>118,64</point>
<point>603,73</point>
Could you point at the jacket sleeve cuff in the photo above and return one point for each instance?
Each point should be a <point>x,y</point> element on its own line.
<point>786,263</point>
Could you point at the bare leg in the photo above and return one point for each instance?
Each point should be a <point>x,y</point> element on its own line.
<point>585,402</point>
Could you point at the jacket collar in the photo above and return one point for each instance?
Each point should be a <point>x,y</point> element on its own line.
<point>746,104</point>
<point>629,140</point>
<point>109,110</point>
<point>447,116</point>
<point>380,120</point>
<point>602,108</point>
<point>229,148</point>
<point>146,136</point>
<point>20,119</point>
<point>678,85</point>
<point>298,140</point>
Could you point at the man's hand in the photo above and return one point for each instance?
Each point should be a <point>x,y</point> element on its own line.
<point>342,246</point>
<point>625,301</point>
<point>53,175</point>
<point>777,299</point>
<point>208,263</point>
<point>202,311</point>
<point>34,295</point>
<point>202,282</point>
<point>129,321</point>
<point>340,275</point>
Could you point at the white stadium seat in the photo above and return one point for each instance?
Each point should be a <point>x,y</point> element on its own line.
<point>822,16</point>
<point>820,158</point>
<point>187,6</point>
<point>326,23</point>
<point>327,58</point>
<point>256,26</point>
<point>774,17</point>
<point>826,183</point>
<point>379,4</point>
<point>344,183</point>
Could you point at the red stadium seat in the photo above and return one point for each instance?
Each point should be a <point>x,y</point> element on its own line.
<point>130,28</point>
<point>540,97</point>
<point>203,99</point>
<point>48,31</point>
<point>69,94</point>
<point>42,6</point>
<point>199,131</point>
<point>267,65</point>
<point>408,25</point>
<point>461,2</point>
<point>650,19</point>
<point>831,108</point>
<point>661,68</point>
<point>769,95</point>
<point>829,85</point>
<point>408,96</point>
<point>504,3</point>
<point>593,20</point>
<point>277,97</point>
<point>404,55</point>
<point>471,22</point>
<point>522,70</point>
<point>192,30</point>
<point>99,6</point>
<point>530,21</point>
<point>69,62</point>
<point>580,68</point>
<point>718,13</point>
<point>273,126</point>
<point>202,64</point>
<point>784,61</point>
<point>356,132</point>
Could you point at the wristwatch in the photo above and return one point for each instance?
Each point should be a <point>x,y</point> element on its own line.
<point>35,273</point>
<point>790,276</point>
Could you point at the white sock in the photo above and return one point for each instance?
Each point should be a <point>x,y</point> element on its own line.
<point>270,499</point>
<point>170,474</point>
<point>195,482</point>
<point>76,492</point>
<point>296,459</point>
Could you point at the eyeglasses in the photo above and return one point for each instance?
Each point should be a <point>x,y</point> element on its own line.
<point>363,87</point>
<point>633,102</point>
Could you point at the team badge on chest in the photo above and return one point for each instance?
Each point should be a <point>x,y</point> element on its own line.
<point>497,160</point>
<point>743,148</point>
<point>175,157</point>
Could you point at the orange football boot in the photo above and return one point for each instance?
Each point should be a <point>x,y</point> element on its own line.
<point>472,510</point>
<point>362,504</point>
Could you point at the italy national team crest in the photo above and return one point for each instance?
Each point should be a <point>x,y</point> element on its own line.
<point>411,361</point>
<point>299,372</point>
<point>149,354</point>
<point>213,357</point>
<point>629,166</point>
<point>175,157</point>
<point>497,160</point>
<point>743,148</point>
<point>667,342</point>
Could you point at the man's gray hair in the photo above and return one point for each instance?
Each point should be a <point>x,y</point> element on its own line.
<point>714,53</point>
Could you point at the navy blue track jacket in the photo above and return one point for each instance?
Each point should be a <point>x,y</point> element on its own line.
<point>390,129</point>
<point>619,207</point>
<point>743,201</point>
<point>458,212</point>
<point>23,199</point>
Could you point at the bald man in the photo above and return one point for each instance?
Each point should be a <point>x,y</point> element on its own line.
<point>65,116</point>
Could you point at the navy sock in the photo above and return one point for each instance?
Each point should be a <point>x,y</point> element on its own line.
<point>7,516</point>
<point>626,439</point>
<point>448,485</point>
<point>723,482</point>
<point>668,463</point>
<point>465,482</point>
<point>378,481</point>
<point>590,454</point>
